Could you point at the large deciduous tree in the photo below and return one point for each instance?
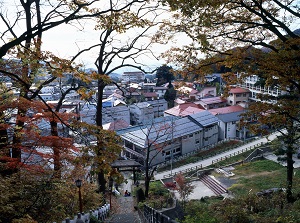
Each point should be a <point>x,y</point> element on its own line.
<point>252,38</point>
<point>123,41</point>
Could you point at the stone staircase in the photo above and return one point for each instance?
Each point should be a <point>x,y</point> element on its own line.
<point>212,184</point>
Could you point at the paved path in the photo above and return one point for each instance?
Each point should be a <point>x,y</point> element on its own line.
<point>124,208</point>
<point>208,161</point>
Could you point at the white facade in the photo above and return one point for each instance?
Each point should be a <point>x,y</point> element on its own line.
<point>159,107</point>
<point>133,77</point>
<point>141,112</point>
<point>249,83</point>
<point>112,114</point>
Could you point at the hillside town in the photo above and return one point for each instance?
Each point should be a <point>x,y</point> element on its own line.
<point>139,111</point>
<point>200,117</point>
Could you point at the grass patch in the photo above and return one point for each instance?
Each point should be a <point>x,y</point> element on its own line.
<point>233,159</point>
<point>203,154</point>
<point>261,175</point>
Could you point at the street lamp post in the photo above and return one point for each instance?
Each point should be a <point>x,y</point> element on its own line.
<point>78,183</point>
<point>110,185</point>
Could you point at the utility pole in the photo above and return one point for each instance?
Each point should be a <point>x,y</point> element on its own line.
<point>172,147</point>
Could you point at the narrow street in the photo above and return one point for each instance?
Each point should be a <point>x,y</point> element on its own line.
<point>123,209</point>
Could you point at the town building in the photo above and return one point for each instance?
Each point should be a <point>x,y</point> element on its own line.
<point>250,83</point>
<point>133,77</point>
<point>183,109</point>
<point>238,95</point>
<point>141,112</point>
<point>229,122</point>
<point>168,137</point>
<point>159,107</point>
<point>212,102</point>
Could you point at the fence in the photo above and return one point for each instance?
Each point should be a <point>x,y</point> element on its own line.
<point>150,215</point>
<point>199,167</point>
<point>100,213</point>
<point>237,153</point>
<point>187,170</point>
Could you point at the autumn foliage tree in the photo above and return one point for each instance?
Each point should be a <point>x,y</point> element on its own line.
<point>251,38</point>
<point>32,140</point>
<point>123,39</point>
<point>184,187</point>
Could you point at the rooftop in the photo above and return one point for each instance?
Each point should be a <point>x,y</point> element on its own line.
<point>237,90</point>
<point>225,110</point>
<point>213,100</point>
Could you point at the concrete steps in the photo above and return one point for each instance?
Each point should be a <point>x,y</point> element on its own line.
<point>212,184</point>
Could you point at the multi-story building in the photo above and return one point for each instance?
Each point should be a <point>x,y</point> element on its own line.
<point>212,102</point>
<point>160,91</point>
<point>159,107</point>
<point>112,114</point>
<point>250,83</point>
<point>133,77</point>
<point>141,112</point>
<point>238,95</point>
<point>169,136</point>
<point>229,122</point>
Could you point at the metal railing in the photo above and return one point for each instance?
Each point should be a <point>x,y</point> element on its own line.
<point>150,215</point>
<point>100,213</point>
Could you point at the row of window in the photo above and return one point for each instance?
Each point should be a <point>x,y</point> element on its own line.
<point>169,152</point>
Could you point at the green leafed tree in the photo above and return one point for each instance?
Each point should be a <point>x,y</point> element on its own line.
<point>250,38</point>
<point>164,75</point>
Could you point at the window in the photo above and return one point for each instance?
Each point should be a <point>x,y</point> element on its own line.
<point>197,141</point>
<point>178,150</point>
<point>191,135</point>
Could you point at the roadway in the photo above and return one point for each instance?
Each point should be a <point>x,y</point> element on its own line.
<point>209,161</point>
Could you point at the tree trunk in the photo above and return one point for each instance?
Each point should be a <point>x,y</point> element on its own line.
<point>147,184</point>
<point>4,150</point>
<point>56,152</point>
<point>101,176</point>
<point>290,172</point>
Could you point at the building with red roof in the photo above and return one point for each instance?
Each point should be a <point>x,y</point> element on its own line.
<point>237,95</point>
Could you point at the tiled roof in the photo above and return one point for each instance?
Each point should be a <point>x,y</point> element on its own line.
<point>225,110</point>
<point>237,90</point>
<point>204,118</point>
<point>213,100</point>
<point>184,109</point>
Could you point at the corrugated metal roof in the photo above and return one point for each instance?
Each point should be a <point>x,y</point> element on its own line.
<point>204,118</point>
<point>160,132</point>
<point>230,117</point>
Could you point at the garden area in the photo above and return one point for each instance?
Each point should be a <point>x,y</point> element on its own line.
<point>202,154</point>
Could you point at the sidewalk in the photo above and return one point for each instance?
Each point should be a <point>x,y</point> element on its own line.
<point>209,161</point>
<point>125,212</point>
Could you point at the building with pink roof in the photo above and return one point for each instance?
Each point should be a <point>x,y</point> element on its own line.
<point>212,102</point>
<point>183,110</point>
